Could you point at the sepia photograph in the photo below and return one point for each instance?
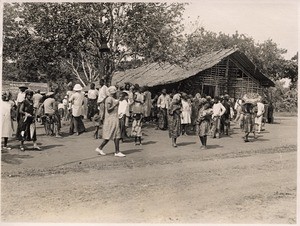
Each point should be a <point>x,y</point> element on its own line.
<point>133,112</point>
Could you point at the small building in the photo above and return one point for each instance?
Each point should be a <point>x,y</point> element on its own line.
<point>227,71</point>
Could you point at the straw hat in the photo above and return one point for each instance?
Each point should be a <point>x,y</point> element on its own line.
<point>49,94</point>
<point>111,90</point>
<point>176,96</point>
<point>23,86</point>
<point>77,87</point>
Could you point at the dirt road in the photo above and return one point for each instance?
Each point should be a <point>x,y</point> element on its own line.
<point>231,182</point>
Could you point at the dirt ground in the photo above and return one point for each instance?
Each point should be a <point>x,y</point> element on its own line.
<point>230,182</point>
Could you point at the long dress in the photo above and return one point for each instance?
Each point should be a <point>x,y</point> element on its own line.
<point>174,120</point>
<point>248,121</point>
<point>111,128</point>
<point>7,126</point>
<point>27,123</point>
<point>186,112</point>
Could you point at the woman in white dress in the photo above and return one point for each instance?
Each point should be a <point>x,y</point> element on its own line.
<point>185,114</point>
<point>7,125</point>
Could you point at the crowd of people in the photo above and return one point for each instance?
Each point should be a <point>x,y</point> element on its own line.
<point>116,108</point>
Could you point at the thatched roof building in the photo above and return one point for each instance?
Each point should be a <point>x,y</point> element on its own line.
<point>216,73</point>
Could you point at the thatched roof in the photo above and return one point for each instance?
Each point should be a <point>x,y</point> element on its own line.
<point>155,74</point>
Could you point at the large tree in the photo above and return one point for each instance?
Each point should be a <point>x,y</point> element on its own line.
<point>60,39</point>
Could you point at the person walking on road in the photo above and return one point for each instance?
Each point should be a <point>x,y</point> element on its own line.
<point>27,121</point>
<point>111,128</point>
<point>174,118</point>
<point>7,123</point>
<point>248,125</point>
<point>203,123</point>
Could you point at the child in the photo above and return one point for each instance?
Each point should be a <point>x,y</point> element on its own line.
<point>96,120</point>
<point>136,131</point>
<point>123,112</point>
<point>61,110</point>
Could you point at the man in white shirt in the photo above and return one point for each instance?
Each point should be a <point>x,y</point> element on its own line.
<point>218,111</point>
<point>123,112</point>
<point>20,99</point>
<point>163,106</point>
<point>101,98</point>
<point>92,101</point>
<point>259,116</point>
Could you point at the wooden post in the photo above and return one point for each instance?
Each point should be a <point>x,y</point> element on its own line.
<point>226,75</point>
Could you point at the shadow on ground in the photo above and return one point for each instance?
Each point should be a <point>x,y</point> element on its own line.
<point>13,158</point>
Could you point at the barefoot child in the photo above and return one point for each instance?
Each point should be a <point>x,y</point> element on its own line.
<point>136,131</point>
<point>96,120</point>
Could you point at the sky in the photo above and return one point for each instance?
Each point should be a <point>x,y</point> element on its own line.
<point>262,20</point>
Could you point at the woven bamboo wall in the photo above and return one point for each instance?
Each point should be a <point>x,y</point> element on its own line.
<point>226,76</point>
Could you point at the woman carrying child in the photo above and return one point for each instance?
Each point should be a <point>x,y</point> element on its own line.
<point>175,119</point>
<point>203,123</point>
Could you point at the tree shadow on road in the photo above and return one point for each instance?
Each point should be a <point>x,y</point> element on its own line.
<point>13,158</point>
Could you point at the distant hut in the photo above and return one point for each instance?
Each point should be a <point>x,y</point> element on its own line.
<point>221,72</point>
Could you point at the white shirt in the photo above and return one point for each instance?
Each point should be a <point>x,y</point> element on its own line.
<point>123,108</point>
<point>93,94</point>
<point>102,93</point>
<point>260,108</point>
<point>36,99</point>
<point>21,97</point>
<point>163,101</point>
<point>49,106</point>
<point>218,109</point>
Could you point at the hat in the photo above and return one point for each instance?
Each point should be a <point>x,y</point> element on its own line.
<point>176,96</point>
<point>77,87</point>
<point>28,91</point>
<point>49,94</point>
<point>66,97</point>
<point>23,86</point>
<point>111,90</point>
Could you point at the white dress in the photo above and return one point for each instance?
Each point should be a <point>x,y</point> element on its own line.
<point>7,129</point>
<point>186,112</point>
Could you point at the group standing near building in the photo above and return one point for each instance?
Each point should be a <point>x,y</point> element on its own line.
<point>114,108</point>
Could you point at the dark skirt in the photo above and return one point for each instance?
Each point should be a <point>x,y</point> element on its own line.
<point>27,129</point>
<point>162,119</point>
<point>248,125</point>
<point>174,125</point>
<point>123,127</point>
<point>76,125</point>
<point>92,108</point>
